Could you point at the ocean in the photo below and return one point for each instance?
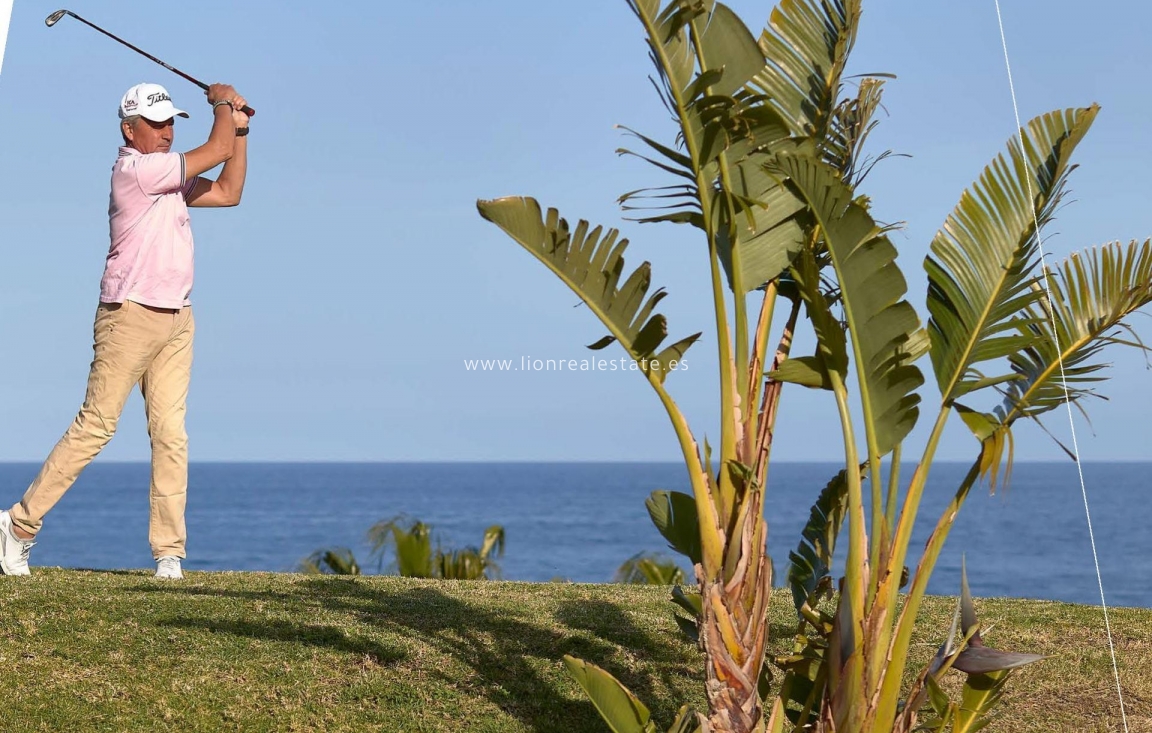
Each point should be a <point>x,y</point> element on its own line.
<point>580,521</point>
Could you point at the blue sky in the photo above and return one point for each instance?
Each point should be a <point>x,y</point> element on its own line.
<point>337,305</point>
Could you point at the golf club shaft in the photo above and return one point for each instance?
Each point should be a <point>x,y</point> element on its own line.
<point>246,110</point>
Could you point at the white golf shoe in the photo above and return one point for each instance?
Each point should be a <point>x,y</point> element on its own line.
<point>13,550</point>
<point>168,568</point>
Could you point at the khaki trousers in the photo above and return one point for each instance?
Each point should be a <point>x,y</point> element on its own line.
<point>133,344</point>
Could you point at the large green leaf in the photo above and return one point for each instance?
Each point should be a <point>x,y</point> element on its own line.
<point>805,46</point>
<point>768,227</point>
<point>982,262</point>
<point>724,116</point>
<point>674,514</point>
<point>719,115</point>
<point>807,43</point>
<point>727,45</point>
<point>812,558</point>
<point>807,371</point>
<point>1092,295</point>
<point>753,213</point>
<point>759,218</point>
<point>591,263</point>
<point>882,325</point>
<point>620,709</point>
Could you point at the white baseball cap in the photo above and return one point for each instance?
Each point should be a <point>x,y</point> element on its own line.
<point>150,101</point>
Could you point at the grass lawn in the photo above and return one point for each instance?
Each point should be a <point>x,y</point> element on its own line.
<point>118,651</point>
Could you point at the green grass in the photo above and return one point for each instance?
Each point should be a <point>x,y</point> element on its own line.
<point>118,651</point>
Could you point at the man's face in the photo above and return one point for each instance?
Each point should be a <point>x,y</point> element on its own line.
<point>151,137</point>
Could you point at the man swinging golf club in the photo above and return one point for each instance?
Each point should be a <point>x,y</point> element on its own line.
<point>144,326</point>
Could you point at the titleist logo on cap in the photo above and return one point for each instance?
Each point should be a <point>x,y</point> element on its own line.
<point>151,101</point>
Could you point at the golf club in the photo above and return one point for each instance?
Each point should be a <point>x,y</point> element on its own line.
<point>54,18</point>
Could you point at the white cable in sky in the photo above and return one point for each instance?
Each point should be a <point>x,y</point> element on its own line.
<point>1060,357</point>
<point>5,17</point>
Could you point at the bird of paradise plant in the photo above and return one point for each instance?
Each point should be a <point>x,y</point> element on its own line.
<point>767,162</point>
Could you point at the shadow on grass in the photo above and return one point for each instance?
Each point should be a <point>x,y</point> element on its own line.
<point>142,572</point>
<point>512,656</point>
<point>308,634</point>
<point>611,623</point>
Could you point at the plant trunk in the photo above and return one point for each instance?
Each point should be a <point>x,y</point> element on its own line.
<point>734,632</point>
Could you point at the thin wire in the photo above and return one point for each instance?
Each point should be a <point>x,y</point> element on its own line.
<point>1060,357</point>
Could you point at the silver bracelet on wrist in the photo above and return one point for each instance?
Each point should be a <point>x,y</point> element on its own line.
<point>220,102</point>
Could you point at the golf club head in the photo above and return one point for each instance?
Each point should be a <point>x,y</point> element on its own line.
<point>51,20</point>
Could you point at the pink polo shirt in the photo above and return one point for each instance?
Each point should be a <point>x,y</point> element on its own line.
<point>150,258</point>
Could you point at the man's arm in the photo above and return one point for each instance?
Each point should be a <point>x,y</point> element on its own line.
<point>221,141</point>
<point>229,187</point>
